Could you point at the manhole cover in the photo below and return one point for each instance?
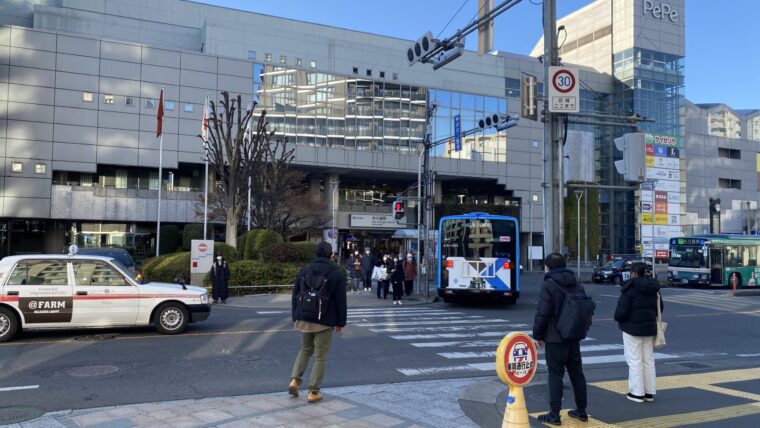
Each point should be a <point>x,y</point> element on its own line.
<point>693,365</point>
<point>14,415</point>
<point>90,337</point>
<point>94,370</point>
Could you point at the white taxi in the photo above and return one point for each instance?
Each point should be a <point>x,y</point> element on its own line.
<point>68,291</point>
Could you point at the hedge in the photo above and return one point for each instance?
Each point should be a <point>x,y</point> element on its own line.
<point>249,252</point>
<point>170,239</point>
<point>282,252</point>
<point>166,268</point>
<point>228,252</point>
<point>259,239</point>
<point>308,250</point>
<point>190,232</point>
<point>241,246</point>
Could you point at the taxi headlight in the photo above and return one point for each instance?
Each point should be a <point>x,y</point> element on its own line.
<point>204,298</point>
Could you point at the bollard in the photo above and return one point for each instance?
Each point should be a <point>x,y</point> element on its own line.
<point>516,362</point>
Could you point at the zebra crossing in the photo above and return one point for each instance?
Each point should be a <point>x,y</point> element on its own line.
<point>720,300</point>
<point>462,343</point>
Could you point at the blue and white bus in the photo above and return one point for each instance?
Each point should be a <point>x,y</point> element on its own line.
<point>478,254</point>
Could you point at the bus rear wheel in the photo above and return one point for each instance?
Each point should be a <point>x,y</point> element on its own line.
<point>446,299</point>
<point>509,300</point>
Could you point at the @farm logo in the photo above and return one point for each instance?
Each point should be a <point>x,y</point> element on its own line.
<point>47,304</point>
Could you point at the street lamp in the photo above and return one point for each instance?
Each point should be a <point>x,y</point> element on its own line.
<point>714,216</point>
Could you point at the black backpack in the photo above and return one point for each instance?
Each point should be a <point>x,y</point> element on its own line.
<point>575,315</point>
<point>313,297</point>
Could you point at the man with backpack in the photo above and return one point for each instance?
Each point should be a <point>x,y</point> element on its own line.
<point>562,320</point>
<point>319,306</point>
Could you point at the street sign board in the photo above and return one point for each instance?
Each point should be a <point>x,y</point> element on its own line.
<point>457,133</point>
<point>201,255</point>
<point>516,359</point>
<point>564,90</point>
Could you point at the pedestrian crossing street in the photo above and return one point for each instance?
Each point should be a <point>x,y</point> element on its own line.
<point>462,343</point>
<point>720,300</point>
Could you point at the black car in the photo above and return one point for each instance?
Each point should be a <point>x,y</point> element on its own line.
<point>119,254</point>
<point>618,270</point>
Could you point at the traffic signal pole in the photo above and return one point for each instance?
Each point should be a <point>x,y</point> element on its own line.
<point>553,233</point>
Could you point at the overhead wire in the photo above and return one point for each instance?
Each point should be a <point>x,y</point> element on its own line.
<point>452,18</point>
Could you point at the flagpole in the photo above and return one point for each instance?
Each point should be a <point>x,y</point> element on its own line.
<point>205,150</point>
<point>160,170</point>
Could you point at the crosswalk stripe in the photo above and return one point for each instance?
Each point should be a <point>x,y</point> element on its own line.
<point>406,314</point>
<point>506,327</point>
<point>492,354</point>
<point>491,365</point>
<point>468,344</point>
<point>394,309</point>
<point>449,335</point>
<point>460,321</point>
<point>420,320</point>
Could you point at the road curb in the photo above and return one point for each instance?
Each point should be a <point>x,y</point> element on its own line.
<point>746,293</point>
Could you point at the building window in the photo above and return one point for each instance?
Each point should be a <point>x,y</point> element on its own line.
<point>251,54</point>
<point>729,153</point>
<point>268,57</point>
<point>382,75</point>
<point>150,103</point>
<point>395,76</point>
<point>17,167</point>
<point>108,99</point>
<point>283,59</point>
<point>356,70</point>
<point>535,197</point>
<point>188,108</point>
<point>169,105</point>
<point>369,72</point>
<point>512,87</point>
<point>313,64</point>
<point>299,62</point>
<point>40,168</point>
<point>729,183</point>
<point>129,102</point>
<point>87,97</point>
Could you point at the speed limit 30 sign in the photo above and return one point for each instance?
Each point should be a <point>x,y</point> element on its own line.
<point>564,93</point>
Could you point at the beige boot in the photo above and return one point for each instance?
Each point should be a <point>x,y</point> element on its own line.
<point>295,384</point>
<point>313,397</point>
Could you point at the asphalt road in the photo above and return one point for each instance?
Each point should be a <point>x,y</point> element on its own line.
<point>251,350</point>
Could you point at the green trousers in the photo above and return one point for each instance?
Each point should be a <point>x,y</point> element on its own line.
<point>311,343</point>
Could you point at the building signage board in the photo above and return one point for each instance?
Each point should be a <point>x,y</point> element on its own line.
<point>379,221</point>
<point>660,209</point>
<point>564,91</point>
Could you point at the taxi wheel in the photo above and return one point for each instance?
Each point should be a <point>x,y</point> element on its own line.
<point>171,318</point>
<point>8,324</point>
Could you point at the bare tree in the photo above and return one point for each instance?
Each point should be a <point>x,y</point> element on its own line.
<point>234,154</point>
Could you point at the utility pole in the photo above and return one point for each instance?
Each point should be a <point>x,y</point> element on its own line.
<point>553,233</point>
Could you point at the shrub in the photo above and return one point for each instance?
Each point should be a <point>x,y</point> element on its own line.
<point>249,252</point>
<point>228,252</point>
<point>170,239</point>
<point>190,232</point>
<point>168,267</point>
<point>257,272</point>
<point>308,250</point>
<point>282,252</point>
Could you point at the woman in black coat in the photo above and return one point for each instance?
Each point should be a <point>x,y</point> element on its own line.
<point>636,314</point>
<point>220,275</point>
<point>397,279</point>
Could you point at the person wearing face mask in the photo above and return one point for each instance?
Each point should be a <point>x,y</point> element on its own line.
<point>385,283</point>
<point>354,268</point>
<point>368,264</point>
<point>397,280</point>
<point>410,272</point>
<point>220,275</point>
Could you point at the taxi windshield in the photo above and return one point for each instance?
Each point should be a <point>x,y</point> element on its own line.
<point>121,266</point>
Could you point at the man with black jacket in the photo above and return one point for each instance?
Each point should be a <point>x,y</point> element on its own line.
<point>636,314</point>
<point>316,336</point>
<point>560,354</point>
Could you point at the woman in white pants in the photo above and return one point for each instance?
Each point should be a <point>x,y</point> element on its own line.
<point>636,314</point>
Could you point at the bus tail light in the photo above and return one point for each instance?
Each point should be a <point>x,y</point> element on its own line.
<point>449,263</point>
<point>507,265</point>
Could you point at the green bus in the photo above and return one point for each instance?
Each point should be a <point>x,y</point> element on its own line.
<point>715,260</point>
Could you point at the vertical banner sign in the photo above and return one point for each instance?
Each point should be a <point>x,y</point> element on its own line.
<point>457,133</point>
<point>661,198</point>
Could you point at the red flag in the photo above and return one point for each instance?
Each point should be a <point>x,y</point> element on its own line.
<point>204,123</point>
<point>160,117</point>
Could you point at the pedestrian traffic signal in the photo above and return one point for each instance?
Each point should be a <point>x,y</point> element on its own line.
<point>398,209</point>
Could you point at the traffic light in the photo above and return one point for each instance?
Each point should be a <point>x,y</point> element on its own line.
<point>423,46</point>
<point>633,164</point>
<point>398,209</point>
<point>498,121</point>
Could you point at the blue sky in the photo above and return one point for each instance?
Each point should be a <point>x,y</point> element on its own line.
<point>721,37</point>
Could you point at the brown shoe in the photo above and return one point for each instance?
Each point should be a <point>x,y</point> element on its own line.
<point>293,387</point>
<point>313,397</point>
